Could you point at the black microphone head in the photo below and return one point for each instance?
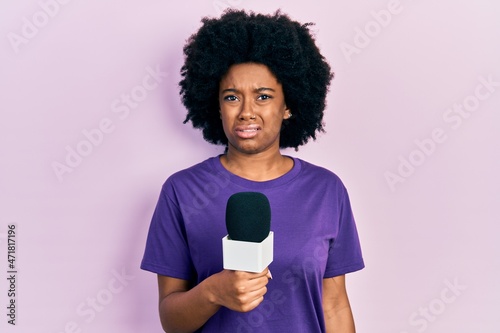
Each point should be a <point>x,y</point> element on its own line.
<point>248,217</point>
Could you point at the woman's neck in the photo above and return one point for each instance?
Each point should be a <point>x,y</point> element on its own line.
<point>257,167</point>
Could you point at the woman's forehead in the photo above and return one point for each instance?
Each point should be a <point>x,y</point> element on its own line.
<point>251,75</point>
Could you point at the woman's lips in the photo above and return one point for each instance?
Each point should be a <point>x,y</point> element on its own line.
<point>247,132</point>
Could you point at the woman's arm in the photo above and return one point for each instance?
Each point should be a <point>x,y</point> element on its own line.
<point>336,307</point>
<point>185,310</point>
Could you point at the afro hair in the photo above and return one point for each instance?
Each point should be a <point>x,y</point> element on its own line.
<point>285,46</point>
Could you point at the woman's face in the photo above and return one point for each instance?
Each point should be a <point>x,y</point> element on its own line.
<point>252,108</point>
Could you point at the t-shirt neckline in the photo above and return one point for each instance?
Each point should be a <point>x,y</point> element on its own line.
<point>251,184</point>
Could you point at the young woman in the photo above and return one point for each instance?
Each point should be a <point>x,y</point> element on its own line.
<point>254,83</point>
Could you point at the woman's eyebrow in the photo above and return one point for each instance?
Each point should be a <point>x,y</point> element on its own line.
<point>234,90</point>
<point>261,89</point>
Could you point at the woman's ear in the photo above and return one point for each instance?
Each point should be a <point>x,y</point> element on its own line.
<point>288,114</point>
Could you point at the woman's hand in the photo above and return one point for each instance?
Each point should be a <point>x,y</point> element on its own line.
<point>237,290</point>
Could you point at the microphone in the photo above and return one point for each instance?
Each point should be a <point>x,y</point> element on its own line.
<point>249,243</point>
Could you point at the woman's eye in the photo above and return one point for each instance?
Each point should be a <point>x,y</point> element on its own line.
<point>230,98</point>
<point>263,97</point>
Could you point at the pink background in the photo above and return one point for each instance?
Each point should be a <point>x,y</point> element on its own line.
<point>430,238</point>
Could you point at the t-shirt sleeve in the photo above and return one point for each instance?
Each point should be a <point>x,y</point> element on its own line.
<point>344,255</point>
<point>167,251</point>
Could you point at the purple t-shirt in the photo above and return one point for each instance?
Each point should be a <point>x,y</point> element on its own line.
<point>315,237</point>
